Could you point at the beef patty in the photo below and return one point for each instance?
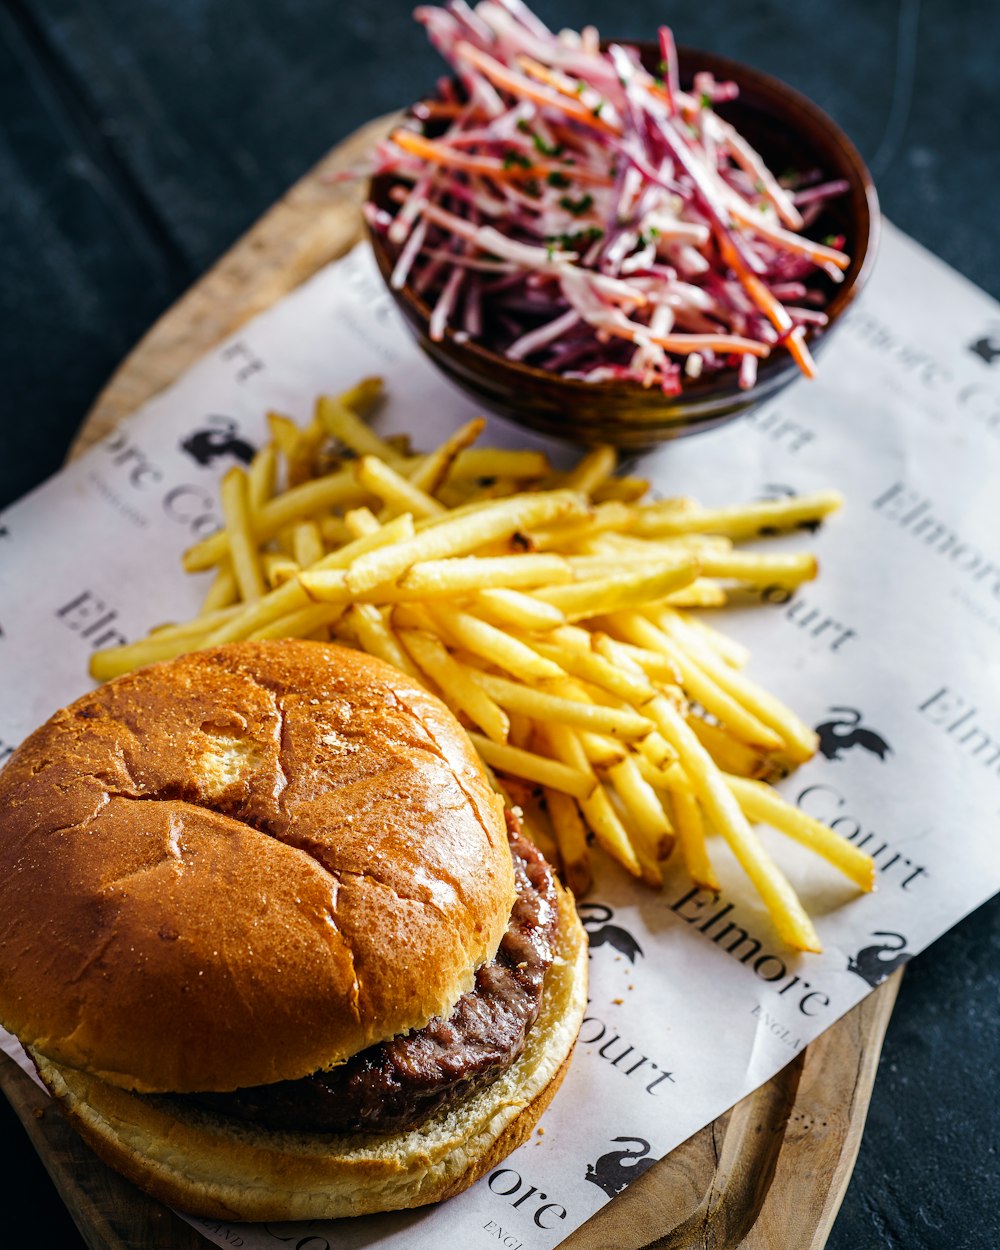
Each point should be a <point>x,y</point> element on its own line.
<point>395,1085</point>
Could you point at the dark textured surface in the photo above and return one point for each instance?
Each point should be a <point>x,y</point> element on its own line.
<point>139,140</point>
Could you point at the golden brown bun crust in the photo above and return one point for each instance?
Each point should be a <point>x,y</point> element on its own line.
<point>204,1165</point>
<point>244,865</point>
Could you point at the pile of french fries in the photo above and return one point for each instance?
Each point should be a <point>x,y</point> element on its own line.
<point>550,612</point>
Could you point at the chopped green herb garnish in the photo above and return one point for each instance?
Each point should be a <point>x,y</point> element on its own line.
<point>512,158</point>
<point>547,149</point>
<point>598,107</point>
<point>577,207</point>
<point>705,100</point>
<point>556,179</point>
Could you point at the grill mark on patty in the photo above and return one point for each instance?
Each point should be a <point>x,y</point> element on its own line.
<point>395,1085</point>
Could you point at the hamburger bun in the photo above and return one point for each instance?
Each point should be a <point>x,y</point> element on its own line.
<point>245,866</point>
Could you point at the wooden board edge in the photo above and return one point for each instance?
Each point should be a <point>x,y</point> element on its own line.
<point>109,1211</point>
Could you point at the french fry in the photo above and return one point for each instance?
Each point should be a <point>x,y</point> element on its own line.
<point>759,570</point>
<point>580,600</point>
<point>456,683</point>
<point>786,912</point>
<point>223,590</point>
<point>733,652</point>
<point>493,462</point>
<point>463,574</point>
<point>699,684</point>
<point>742,521</point>
<point>493,644</point>
<point>690,831</point>
<point>762,803</point>
<point>432,470</point>
<point>307,543</point>
<point>571,836</point>
<point>731,754</point>
<point>799,739</point>
<point>377,638</point>
<point>458,535</point>
<point>505,607</point>
<point>552,773</point>
<point>261,477</point>
<point>242,547</point>
<point>542,706</point>
<point>396,492</point>
<point>601,817</point>
<point>592,471</point>
<point>341,422</point>
<point>292,596</point>
<point>300,624</point>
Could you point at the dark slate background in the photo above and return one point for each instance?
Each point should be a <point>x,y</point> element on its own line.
<point>138,140</point>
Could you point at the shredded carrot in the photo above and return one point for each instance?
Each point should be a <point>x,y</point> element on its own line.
<point>491,166</point>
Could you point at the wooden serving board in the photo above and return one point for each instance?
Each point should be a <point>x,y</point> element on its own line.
<point>767,1175</point>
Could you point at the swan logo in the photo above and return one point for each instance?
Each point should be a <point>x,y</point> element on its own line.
<point>619,1168</point>
<point>595,917</point>
<point>218,438</point>
<point>874,963</point>
<point>987,348</point>
<point>845,732</point>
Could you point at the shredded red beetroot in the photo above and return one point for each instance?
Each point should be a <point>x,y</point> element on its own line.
<point>575,211</point>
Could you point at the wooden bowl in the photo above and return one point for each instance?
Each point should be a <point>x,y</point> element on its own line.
<point>790,132</point>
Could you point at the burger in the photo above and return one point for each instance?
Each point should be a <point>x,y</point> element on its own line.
<point>272,941</point>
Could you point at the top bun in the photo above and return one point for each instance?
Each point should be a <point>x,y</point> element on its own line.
<point>242,866</point>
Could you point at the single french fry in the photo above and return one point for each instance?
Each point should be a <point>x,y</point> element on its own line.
<point>730,753</point>
<point>690,831</point>
<point>545,707</point>
<point>464,574</point>
<point>362,397</point>
<point>552,773</point>
<point>580,600</point>
<point>307,543</point>
<point>457,535</point>
<point>625,489</point>
<point>361,521</point>
<point>740,521</point>
<point>395,491</point>
<point>501,649</point>
<point>302,623</point>
<point>114,661</point>
<point>571,836</point>
<point>432,470</point>
<point>242,546</point>
<point>783,905</point>
<point>647,819</point>
<point>701,593</point>
<point>493,462</point>
<point>341,422</point>
<point>762,803</point>
<point>197,626</point>
<point>223,590</point>
<point>592,471</point>
<point>261,477</point>
<point>378,639</point>
<point>504,607</point>
<point>760,570</point>
<point>455,683</point>
<point>278,568</point>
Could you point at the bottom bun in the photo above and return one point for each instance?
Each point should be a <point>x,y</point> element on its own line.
<point>211,1166</point>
